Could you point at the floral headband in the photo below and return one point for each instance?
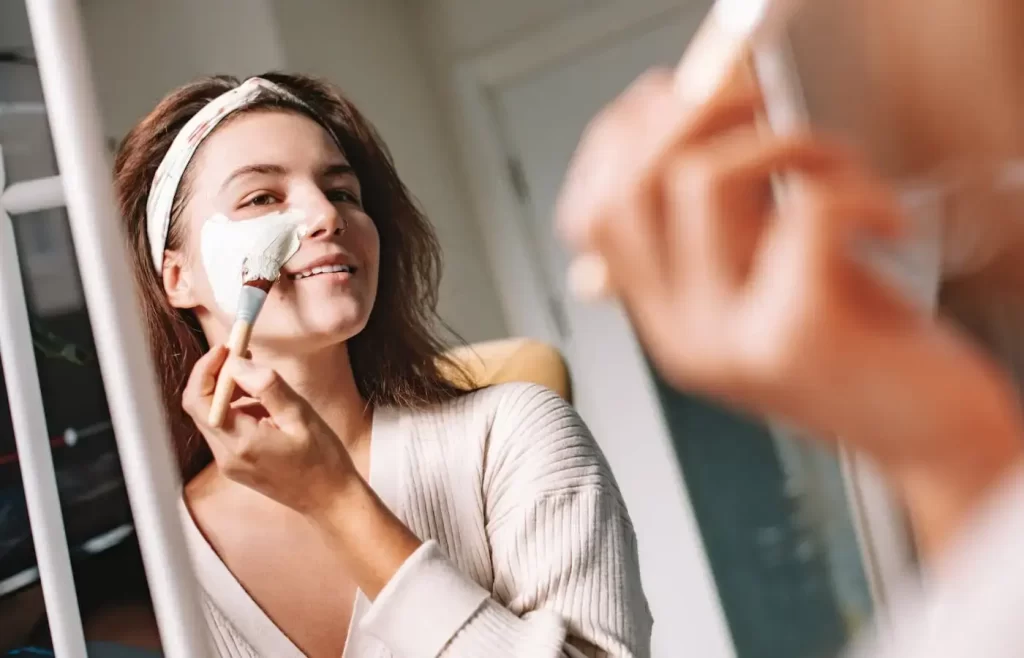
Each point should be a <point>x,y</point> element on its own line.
<point>175,162</point>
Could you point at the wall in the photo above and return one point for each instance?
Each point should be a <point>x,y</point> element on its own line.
<point>461,27</point>
<point>14,26</point>
<point>372,49</point>
<point>143,49</point>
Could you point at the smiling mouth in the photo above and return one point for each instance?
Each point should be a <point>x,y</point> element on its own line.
<point>326,269</point>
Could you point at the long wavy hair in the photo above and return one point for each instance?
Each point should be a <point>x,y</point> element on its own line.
<point>398,359</point>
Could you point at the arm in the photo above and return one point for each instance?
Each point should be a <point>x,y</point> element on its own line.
<point>942,496</point>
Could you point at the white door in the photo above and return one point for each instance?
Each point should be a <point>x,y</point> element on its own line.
<point>537,115</point>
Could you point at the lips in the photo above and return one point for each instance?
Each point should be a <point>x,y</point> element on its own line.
<point>325,269</point>
<point>334,264</point>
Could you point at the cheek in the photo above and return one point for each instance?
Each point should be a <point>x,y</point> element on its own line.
<point>201,278</point>
<point>190,238</point>
<point>368,240</point>
<point>202,289</point>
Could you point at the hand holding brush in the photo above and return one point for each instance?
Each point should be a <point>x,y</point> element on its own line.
<point>260,271</point>
<point>250,303</point>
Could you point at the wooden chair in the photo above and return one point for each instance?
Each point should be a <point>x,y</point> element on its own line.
<point>515,360</point>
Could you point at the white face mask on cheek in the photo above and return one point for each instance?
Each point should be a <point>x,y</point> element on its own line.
<point>240,250</point>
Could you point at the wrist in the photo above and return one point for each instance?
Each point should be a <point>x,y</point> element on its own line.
<point>325,496</point>
<point>943,492</point>
<point>371,540</point>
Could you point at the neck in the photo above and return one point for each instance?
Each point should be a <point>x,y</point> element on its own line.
<point>325,379</point>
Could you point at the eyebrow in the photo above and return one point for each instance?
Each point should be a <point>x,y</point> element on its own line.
<point>248,170</point>
<point>338,170</point>
<point>331,171</point>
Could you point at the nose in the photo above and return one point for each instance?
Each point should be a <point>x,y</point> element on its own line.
<point>326,220</point>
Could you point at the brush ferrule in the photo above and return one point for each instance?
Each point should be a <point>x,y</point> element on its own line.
<point>250,303</point>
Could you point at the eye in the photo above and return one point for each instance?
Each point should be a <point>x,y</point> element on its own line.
<point>263,199</point>
<point>342,195</point>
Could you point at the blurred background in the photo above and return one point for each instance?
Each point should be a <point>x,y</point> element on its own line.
<point>752,545</point>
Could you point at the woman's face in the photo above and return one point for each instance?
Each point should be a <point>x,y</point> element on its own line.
<point>271,161</point>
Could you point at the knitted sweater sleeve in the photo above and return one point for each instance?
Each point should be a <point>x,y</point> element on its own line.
<point>563,550</point>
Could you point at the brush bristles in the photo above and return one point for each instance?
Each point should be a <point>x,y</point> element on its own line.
<point>250,302</point>
<point>260,267</point>
<point>263,284</point>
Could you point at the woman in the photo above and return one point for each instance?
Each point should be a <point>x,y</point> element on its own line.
<point>355,500</point>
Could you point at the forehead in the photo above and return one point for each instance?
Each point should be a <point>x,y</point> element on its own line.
<point>268,137</point>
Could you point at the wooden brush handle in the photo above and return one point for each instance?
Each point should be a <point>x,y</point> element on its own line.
<point>238,345</point>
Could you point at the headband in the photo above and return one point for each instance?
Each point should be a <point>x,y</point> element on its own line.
<point>172,167</point>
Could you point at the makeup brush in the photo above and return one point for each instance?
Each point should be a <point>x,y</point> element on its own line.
<point>250,303</point>
<point>264,245</point>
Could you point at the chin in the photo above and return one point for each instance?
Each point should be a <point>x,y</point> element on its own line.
<point>311,325</point>
<point>315,335</point>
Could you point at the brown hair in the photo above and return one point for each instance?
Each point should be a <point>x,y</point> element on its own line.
<point>397,359</point>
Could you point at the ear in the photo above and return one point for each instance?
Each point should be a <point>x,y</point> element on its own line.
<point>178,281</point>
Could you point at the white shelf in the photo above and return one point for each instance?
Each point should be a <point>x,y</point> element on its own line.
<point>22,109</point>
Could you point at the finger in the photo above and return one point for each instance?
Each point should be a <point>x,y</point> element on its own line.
<point>238,427</point>
<point>859,205</point>
<point>221,452</point>
<point>705,212</point>
<point>729,110</point>
<point>631,250</point>
<point>737,101</point>
<point>817,177</point>
<point>243,401</point>
<point>748,158</point>
<point>589,277</point>
<point>202,381</point>
<point>264,384</point>
<point>615,150</point>
<point>827,199</point>
<point>630,140</point>
<point>829,215</point>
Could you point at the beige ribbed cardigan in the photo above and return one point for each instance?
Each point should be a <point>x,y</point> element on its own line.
<point>528,553</point>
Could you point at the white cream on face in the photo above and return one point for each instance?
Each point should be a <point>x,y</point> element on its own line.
<point>244,250</point>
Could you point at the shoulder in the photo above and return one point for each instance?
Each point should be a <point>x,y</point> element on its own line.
<point>516,403</point>
<point>521,445</point>
<point>538,446</point>
<point>507,416</point>
<point>492,409</point>
<point>532,418</point>
<point>516,430</point>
